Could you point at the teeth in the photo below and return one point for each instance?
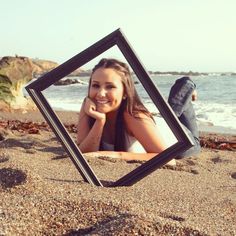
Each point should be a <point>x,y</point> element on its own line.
<point>103,102</point>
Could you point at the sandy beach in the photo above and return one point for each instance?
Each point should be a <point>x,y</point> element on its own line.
<point>42,192</point>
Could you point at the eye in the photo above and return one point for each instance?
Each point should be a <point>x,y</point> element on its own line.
<point>95,86</point>
<point>110,86</point>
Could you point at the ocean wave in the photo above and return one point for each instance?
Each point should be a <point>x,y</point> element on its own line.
<point>217,114</point>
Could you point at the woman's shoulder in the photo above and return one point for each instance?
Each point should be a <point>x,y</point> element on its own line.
<point>137,118</point>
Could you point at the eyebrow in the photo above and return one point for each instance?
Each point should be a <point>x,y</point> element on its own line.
<point>105,82</point>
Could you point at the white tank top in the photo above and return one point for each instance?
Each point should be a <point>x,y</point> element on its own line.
<point>131,143</point>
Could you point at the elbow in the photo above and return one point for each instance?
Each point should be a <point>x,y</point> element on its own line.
<point>85,149</point>
<point>81,148</point>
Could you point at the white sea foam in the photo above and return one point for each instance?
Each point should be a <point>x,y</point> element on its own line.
<point>217,114</point>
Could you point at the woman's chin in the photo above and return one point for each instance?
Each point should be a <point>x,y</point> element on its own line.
<point>102,110</point>
<point>106,109</point>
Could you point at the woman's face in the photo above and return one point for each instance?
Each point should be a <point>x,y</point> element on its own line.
<point>106,90</point>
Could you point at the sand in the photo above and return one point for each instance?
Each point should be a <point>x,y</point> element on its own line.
<point>42,192</point>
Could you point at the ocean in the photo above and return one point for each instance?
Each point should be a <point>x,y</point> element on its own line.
<point>215,107</point>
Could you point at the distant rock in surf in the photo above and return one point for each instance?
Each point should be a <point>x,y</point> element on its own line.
<point>68,82</point>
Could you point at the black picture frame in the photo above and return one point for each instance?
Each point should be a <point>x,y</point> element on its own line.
<point>117,38</point>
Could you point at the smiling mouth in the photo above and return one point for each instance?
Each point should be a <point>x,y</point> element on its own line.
<point>102,102</point>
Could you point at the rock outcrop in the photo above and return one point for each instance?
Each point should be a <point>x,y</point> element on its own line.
<point>42,66</point>
<point>15,73</point>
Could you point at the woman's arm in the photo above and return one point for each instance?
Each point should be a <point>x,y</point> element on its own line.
<point>88,138</point>
<point>146,132</point>
<point>143,129</point>
<point>127,156</point>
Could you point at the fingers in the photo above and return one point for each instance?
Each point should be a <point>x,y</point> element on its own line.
<point>194,95</point>
<point>89,105</point>
<point>90,110</point>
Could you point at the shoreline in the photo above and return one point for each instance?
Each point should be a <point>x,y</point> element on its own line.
<point>217,130</point>
<point>70,117</point>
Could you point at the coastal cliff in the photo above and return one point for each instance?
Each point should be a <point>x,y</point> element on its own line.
<point>15,73</point>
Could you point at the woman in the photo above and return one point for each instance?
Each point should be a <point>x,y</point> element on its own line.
<point>113,121</point>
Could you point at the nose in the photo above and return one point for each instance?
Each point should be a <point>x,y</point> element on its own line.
<point>101,92</point>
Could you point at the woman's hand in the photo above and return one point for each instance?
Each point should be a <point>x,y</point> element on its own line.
<point>91,110</point>
<point>194,95</point>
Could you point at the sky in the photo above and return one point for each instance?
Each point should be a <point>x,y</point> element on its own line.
<point>167,35</point>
